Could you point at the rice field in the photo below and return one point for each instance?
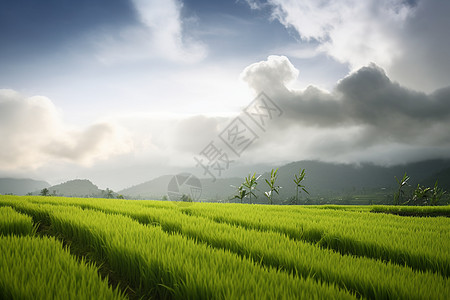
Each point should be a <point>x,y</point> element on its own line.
<point>136,249</point>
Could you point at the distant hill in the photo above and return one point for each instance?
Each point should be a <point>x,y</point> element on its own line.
<point>331,180</point>
<point>326,177</point>
<point>21,186</point>
<point>76,188</point>
<point>153,189</point>
<point>322,180</point>
<point>443,178</point>
<point>158,187</point>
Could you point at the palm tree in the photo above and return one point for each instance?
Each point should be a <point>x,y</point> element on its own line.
<point>250,183</point>
<point>272,186</point>
<point>399,195</point>
<point>241,193</point>
<point>297,180</point>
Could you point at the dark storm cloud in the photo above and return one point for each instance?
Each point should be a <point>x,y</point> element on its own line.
<point>425,62</point>
<point>365,110</point>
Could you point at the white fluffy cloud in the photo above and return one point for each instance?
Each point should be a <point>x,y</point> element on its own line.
<point>351,31</point>
<point>406,38</point>
<point>159,34</point>
<point>33,134</point>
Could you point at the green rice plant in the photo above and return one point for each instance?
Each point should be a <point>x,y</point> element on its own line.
<point>292,240</point>
<point>25,206</point>
<point>369,278</point>
<point>169,266</point>
<point>12,222</point>
<point>422,244</point>
<point>39,268</point>
<point>419,243</point>
<point>420,211</point>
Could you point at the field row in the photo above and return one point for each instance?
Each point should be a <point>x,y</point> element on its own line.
<point>367,277</point>
<point>421,243</point>
<point>163,265</point>
<point>40,268</point>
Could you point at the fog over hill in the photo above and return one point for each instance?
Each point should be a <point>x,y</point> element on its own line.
<point>21,186</point>
<point>322,179</point>
<point>75,188</point>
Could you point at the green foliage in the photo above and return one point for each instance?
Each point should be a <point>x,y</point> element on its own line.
<point>298,182</point>
<point>108,193</point>
<point>272,186</point>
<point>421,195</point>
<point>45,192</point>
<point>399,195</point>
<point>251,181</point>
<point>186,198</point>
<point>437,194</point>
<point>427,195</point>
<point>241,193</point>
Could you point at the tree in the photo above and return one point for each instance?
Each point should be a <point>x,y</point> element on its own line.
<point>437,194</point>
<point>399,194</point>
<point>186,198</point>
<point>272,186</point>
<point>109,193</point>
<point>45,192</point>
<point>250,183</point>
<point>241,193</point>
<point>428,196</point>
<point>298,181</point>
<point>421,195</point>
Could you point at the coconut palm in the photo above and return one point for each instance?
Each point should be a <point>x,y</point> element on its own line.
<point>297,180</point>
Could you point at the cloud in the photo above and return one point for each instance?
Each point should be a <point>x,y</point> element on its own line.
<point>351,31</point>
<point>159,34</point>
<point>276,72</point>
<point>33,134</point>
<point>425,62</point>
<point>407,38</point>
<point>365,114</point>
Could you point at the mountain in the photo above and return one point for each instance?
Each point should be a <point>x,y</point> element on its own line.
<point>323,177</point>
<point>21,186</point>
<point>153,189</point>
<point>323,180</point>
<point>443,178</point>
<point>159,187</point>
<point>333,180</point>
<point>76,188</point>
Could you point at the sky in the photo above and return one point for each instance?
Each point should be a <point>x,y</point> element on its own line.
<point>122,91</point>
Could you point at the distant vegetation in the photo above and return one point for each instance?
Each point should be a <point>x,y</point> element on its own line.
<point>322,184</point>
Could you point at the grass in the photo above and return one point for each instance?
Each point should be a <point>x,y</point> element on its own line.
<point>12,222</point>
<point>39,268</point>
